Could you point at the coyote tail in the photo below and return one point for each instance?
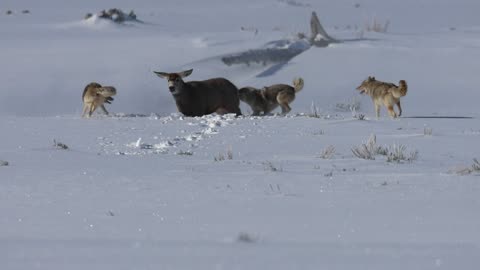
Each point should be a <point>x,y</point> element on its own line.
<point>298,84</point>
<point>401,90</point>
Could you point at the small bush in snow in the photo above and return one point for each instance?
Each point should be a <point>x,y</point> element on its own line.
<point>475,168</point>
<point>229,154</point>
<point>314,111</point>
<point>394,153</point>
<point>397,153</point>
<point>246,238</point>
<point>184,153</point>
<point>351,105</point>
<point>116,15</point>
<point>427,131</point>
<point>269,166</point>
<point>3,163</point>
<point>366,150</point>
<point>294,3</point>
<point>476,165</point>
<point>359,116</point>
<point>328,152</point>
<point>376,26</point>
<point>363,152</point>
<point>221,156</point>
<point>59,145</point>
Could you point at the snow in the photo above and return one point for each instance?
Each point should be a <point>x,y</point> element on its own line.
<point>147,188</point>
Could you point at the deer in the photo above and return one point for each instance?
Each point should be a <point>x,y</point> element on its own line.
<point>199,98</point>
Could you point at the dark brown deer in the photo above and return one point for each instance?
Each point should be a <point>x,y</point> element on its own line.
<point>198,98</point>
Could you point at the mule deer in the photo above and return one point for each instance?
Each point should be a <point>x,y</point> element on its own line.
<point>198,98</point>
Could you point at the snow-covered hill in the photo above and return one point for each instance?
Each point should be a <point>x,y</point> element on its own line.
<point>149,189</point>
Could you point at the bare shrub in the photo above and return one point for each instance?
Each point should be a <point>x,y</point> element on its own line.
<point>314,112</point>
<point>328,152</point>
<point>252,29</point>
<point>474,168</point>
<point>366,150</point>
<point>224,156</point>
<point>229,153</point>
<point>269,166</point>
<point>59,145</point>
<point>350,105</point>
<point>377,26</point>
<point>394,153</point>
<point>184,153</point>
<point>427,131</point>
<point>3,163</point>
<point>476,165</point>
<point>359,116</point>
<point>398,153</point>
<point>363,152</point>
<point>294,3</point>
<point>244,237</point>
<point>219,157</point>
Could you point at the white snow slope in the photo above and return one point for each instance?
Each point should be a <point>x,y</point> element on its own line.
<point>147,188</point>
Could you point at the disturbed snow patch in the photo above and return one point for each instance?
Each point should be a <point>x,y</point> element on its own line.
<point>208,125</point>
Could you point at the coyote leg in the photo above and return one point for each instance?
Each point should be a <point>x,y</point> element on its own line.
<point>377,110</point>
<point>103,109</point>
<point>92,109</point>
<point>399,108</point>
<point>391,111</point>
<point>285,108</point>
<point>85,109</point>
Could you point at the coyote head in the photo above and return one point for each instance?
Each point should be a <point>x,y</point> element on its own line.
<point>363,87</point>
<point>106,91</point>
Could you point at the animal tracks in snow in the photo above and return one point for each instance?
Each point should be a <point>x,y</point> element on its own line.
<point>163,135</point>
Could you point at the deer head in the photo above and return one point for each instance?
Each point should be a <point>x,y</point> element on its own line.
<point>175,80</point>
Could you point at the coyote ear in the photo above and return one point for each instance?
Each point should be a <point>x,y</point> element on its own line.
<point>185,73</point>
<point>161,74</point>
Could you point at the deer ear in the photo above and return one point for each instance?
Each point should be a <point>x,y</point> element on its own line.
<point>185,73</point>
<point>161,74</point>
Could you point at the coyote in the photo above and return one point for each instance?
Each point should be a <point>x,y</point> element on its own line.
<point>269,98</point>
<point>94,96</point>
<point>384,93</point>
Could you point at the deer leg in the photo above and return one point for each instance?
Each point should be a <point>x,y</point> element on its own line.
<point>221,111</point>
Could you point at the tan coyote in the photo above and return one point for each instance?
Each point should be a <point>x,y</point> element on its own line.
<point>383,93</point>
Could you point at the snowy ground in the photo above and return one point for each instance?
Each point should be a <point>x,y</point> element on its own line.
<point>150,189</point>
